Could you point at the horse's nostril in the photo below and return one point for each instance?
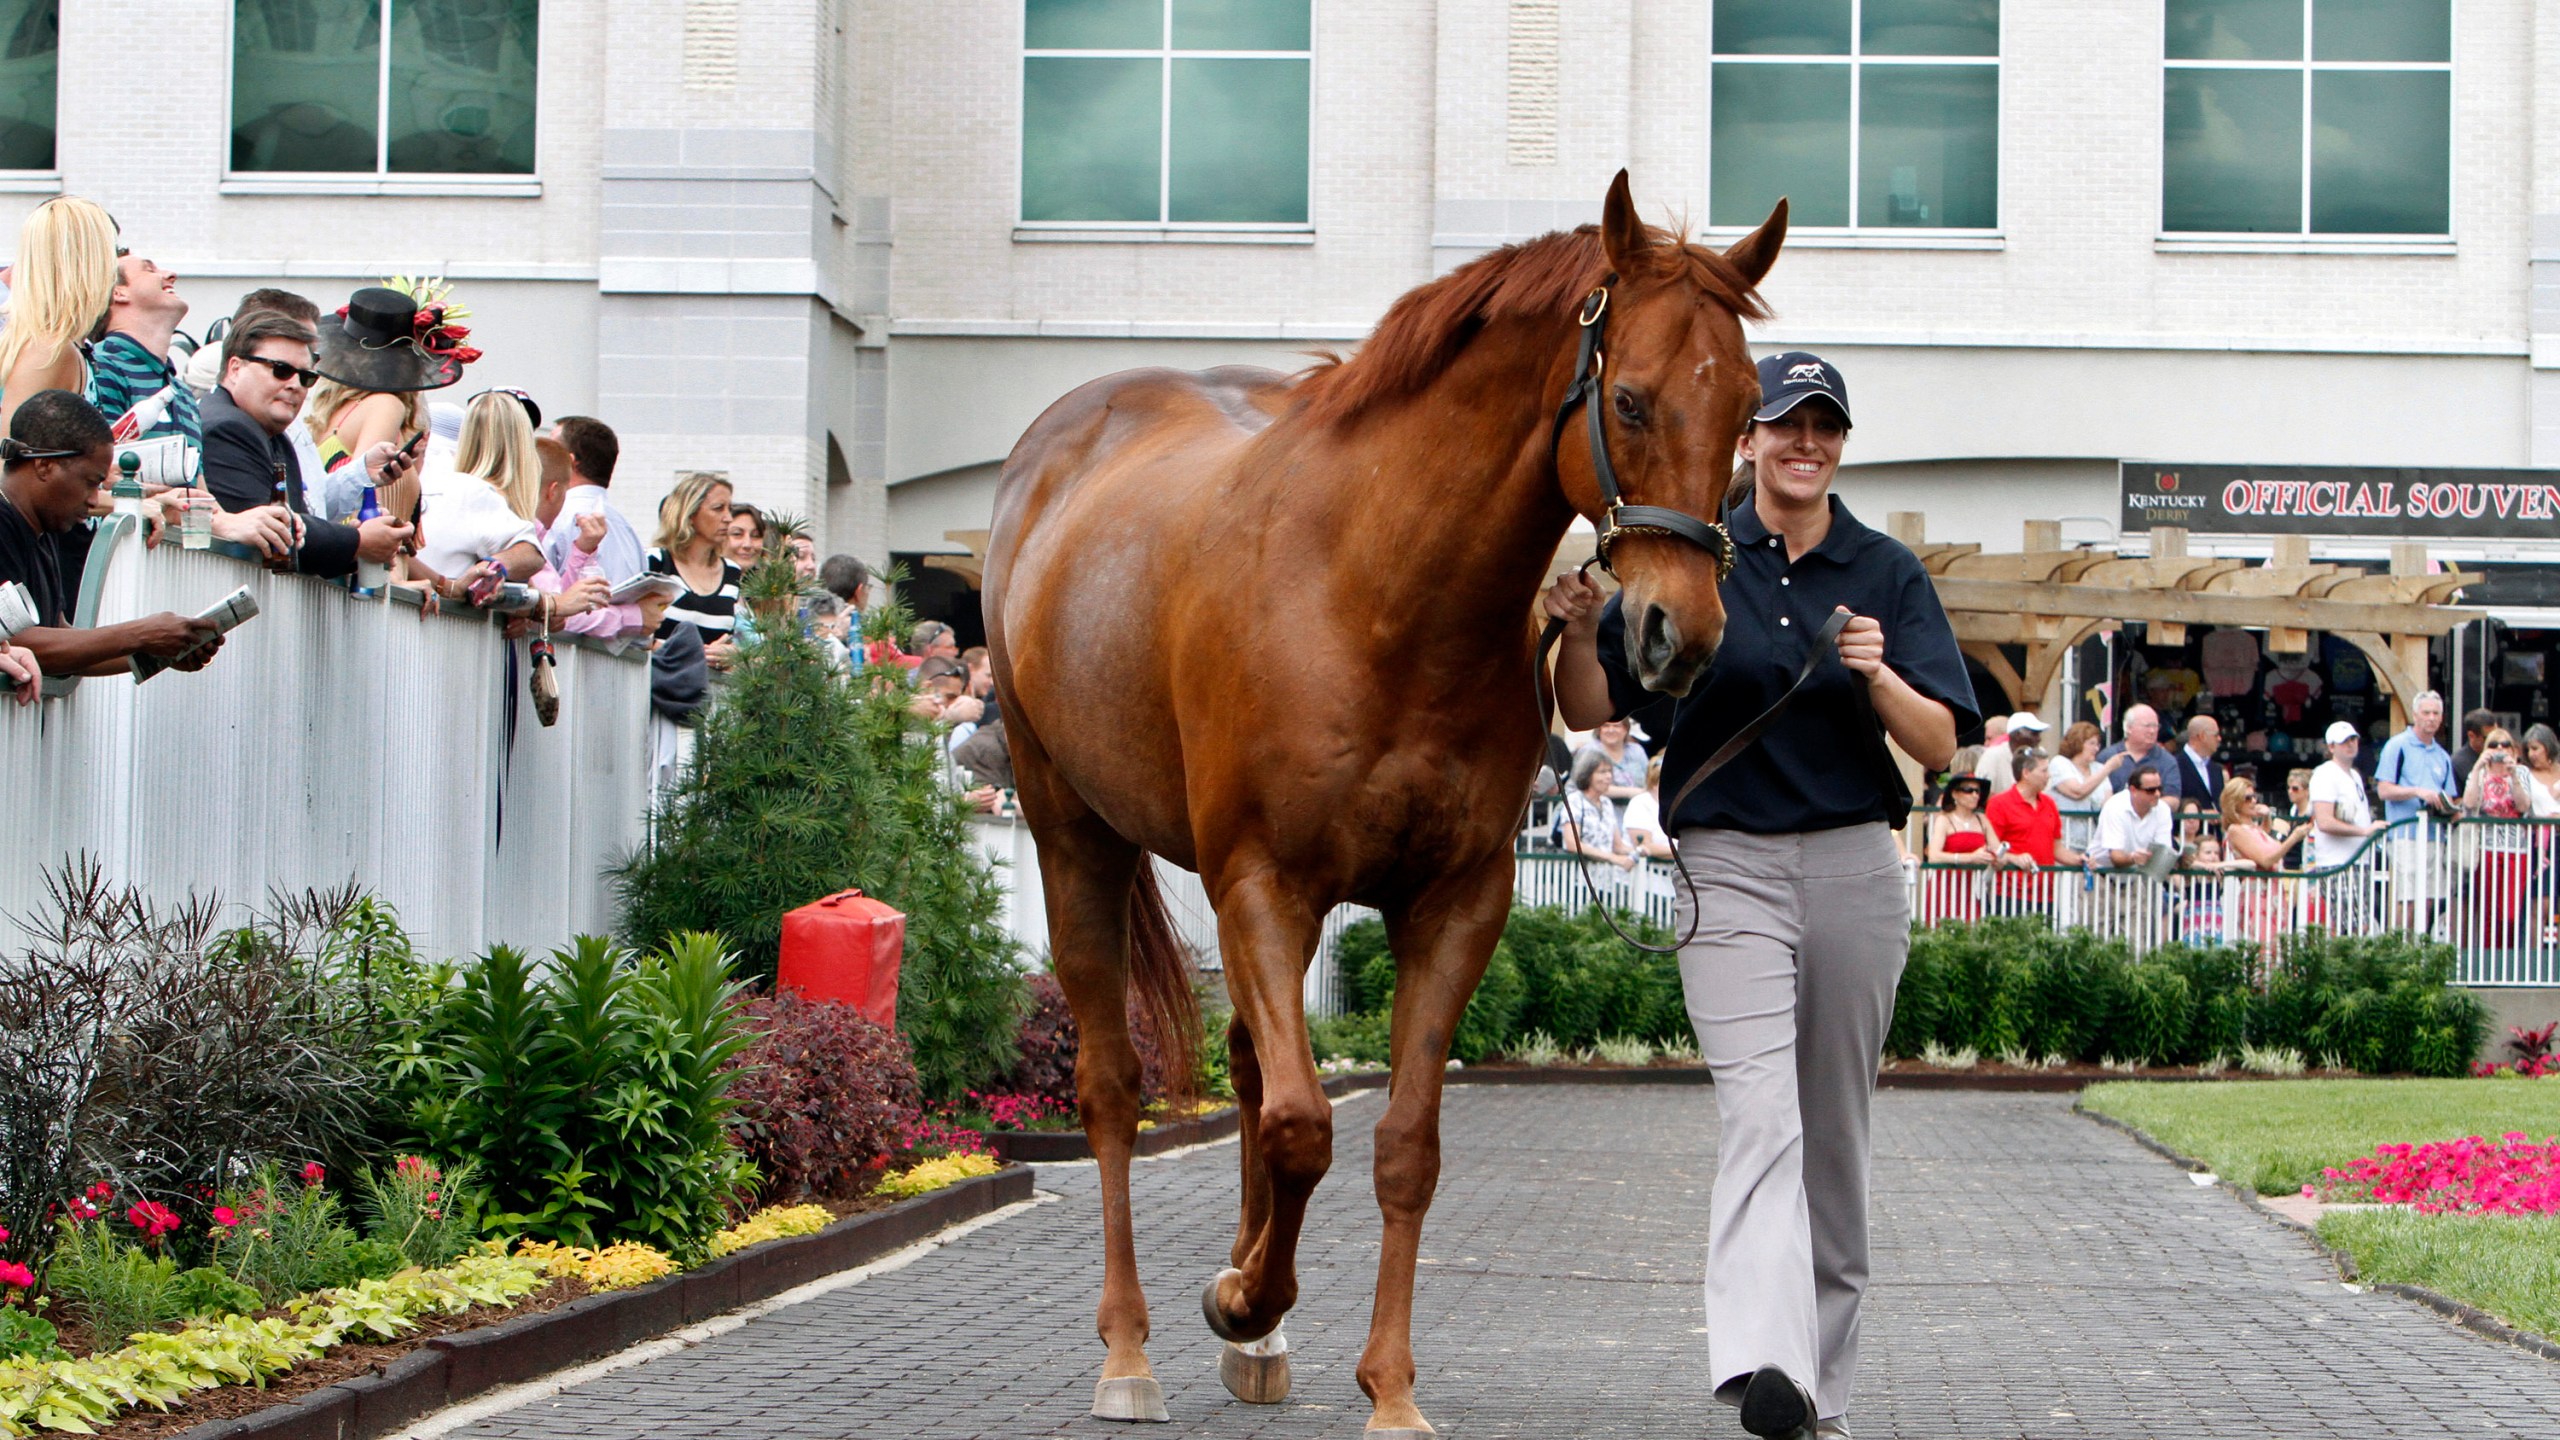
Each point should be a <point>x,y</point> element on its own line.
<point>1658,639</point>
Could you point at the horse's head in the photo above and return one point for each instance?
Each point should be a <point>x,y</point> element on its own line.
<point>1673,388</point>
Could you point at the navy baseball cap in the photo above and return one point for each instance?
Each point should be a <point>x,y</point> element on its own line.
<point>1791,377</point>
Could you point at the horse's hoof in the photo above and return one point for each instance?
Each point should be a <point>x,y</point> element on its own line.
<point>1257,1374</point>
<point>1217,1318</point>
<point>1130,1397</point>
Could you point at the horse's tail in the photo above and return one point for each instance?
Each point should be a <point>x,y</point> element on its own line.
<point>1160,974</point>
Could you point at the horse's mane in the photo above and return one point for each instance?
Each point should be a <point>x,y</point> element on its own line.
<point>1427,327</point>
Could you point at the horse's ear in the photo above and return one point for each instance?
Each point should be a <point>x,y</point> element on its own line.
<point>1622,234</point>
<point>1754,253</point>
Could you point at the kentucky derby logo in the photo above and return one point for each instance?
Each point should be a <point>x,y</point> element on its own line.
<point>1808,373</point>
<point>2168,480</point>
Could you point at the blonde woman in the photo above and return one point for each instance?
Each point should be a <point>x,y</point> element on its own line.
<point>59,287</point>
<point>693,530</point>
<point>478,516</point>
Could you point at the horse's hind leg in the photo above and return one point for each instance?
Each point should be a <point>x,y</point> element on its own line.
<point>1441,944</point>
<point>1087,870</point>
<point>1265,935</point>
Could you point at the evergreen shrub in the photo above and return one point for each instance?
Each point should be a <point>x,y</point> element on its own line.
<point>805,782</point>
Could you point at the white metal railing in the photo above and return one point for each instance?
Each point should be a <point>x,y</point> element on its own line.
<point>334,737</point>
<point>2490,888</point>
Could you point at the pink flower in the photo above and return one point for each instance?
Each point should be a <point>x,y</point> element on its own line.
<point>226,1217</point>
<point>431,1197</point>
<point>313,1174</point>
<point>16,1275</point>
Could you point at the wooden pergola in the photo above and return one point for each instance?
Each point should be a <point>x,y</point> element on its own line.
<point>2046,599</point>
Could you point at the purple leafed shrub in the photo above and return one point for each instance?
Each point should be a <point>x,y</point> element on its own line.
<point>1048,1043</point>
<point>824,1096</point>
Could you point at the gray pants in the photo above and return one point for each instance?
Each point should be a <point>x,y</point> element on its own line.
<point>1790,982</point>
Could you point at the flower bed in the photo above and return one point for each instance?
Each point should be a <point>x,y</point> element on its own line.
<point>2513,1175</point>
<point>603,1299</point>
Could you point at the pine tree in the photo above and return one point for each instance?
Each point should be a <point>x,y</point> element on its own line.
<point>803,784</point>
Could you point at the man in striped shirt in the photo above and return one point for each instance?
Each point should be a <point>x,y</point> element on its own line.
<point>132,363</point>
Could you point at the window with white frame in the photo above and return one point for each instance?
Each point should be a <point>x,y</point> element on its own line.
<point>2307,117</point>
<point>1865,114</point>
<point>1165,112</point>
<point>30,67</point>
<point>383,87</point>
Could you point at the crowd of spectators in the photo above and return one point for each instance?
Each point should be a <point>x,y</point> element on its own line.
<point>320,444</point>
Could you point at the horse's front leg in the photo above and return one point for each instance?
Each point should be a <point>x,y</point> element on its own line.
<point>1266,933</point>
<point>1441,943</point>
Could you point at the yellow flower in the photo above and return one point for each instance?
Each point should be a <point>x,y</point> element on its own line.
<point>934,1174</point>
<point>772,1223</point>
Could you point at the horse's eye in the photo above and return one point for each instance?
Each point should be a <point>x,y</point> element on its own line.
<point>1629,408</point>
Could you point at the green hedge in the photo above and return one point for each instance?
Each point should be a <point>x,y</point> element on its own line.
<point>1556,971</point>
<point>2381,1005</point>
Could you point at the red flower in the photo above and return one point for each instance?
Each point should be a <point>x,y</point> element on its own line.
<point>466,355</point>
<point>314,1174</point>
<point>16,1275</point>
<point>226,1217</point>
<point>456,332</point>
<point>152,1218</point>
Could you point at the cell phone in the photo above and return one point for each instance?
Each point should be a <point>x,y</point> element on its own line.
<point>417,443</point>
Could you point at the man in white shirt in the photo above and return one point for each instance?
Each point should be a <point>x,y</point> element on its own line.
<point>2134,824</point>
<point>1998,766</point>
<point>2341,819</point>
<point>593,449</point>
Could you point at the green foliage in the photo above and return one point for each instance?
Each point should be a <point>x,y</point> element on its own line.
<point>590,1101</point>
<point>426,1213</point>
<point>1349,1037</point>
<point>804,784</point>
<point>2384,1004</point>
<point>60,1393</point>
<point>2508,1265</point>
<point>2277,1138</point>
<point>207,1291</point>
<point>293,1237</point>
<point>25,1335</point>
<point>1558,972</point>
<point>119,1289</point>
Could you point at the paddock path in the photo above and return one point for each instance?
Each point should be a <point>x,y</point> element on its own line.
<point>2036,1275</point>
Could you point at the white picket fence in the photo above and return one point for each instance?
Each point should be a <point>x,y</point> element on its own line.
<point>334,737</point>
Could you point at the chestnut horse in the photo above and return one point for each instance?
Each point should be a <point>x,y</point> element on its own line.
<point>1274,629</point>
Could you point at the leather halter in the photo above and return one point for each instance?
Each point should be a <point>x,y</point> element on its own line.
<point>1617,518</point>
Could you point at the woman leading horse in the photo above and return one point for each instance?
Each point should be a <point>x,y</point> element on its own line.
<point>1252,583</point>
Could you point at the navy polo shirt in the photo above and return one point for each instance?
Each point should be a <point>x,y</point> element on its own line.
<point>1824,765</point>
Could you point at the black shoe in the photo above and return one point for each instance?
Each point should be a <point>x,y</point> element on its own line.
<point>1775,1407</point>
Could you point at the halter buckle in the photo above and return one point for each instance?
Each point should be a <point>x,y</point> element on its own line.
<point>1594,305</point>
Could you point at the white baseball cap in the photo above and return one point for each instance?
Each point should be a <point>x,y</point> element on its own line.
<point>2340,730</point>
<point>2027,721</point>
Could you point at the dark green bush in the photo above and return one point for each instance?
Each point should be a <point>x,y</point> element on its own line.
<point>805,783</point>
<point>2382,1004</point>
<point>1555,971</point>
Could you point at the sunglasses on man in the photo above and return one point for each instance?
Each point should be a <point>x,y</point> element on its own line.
<point>284,370</point>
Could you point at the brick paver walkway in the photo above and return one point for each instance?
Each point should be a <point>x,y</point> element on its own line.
<point>2036,1275</point>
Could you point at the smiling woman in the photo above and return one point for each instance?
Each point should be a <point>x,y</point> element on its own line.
<point>1796,903</point>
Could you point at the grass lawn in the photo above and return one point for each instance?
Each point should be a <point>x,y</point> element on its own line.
<point>2275,1135</point>
<point>2508,1265</point>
